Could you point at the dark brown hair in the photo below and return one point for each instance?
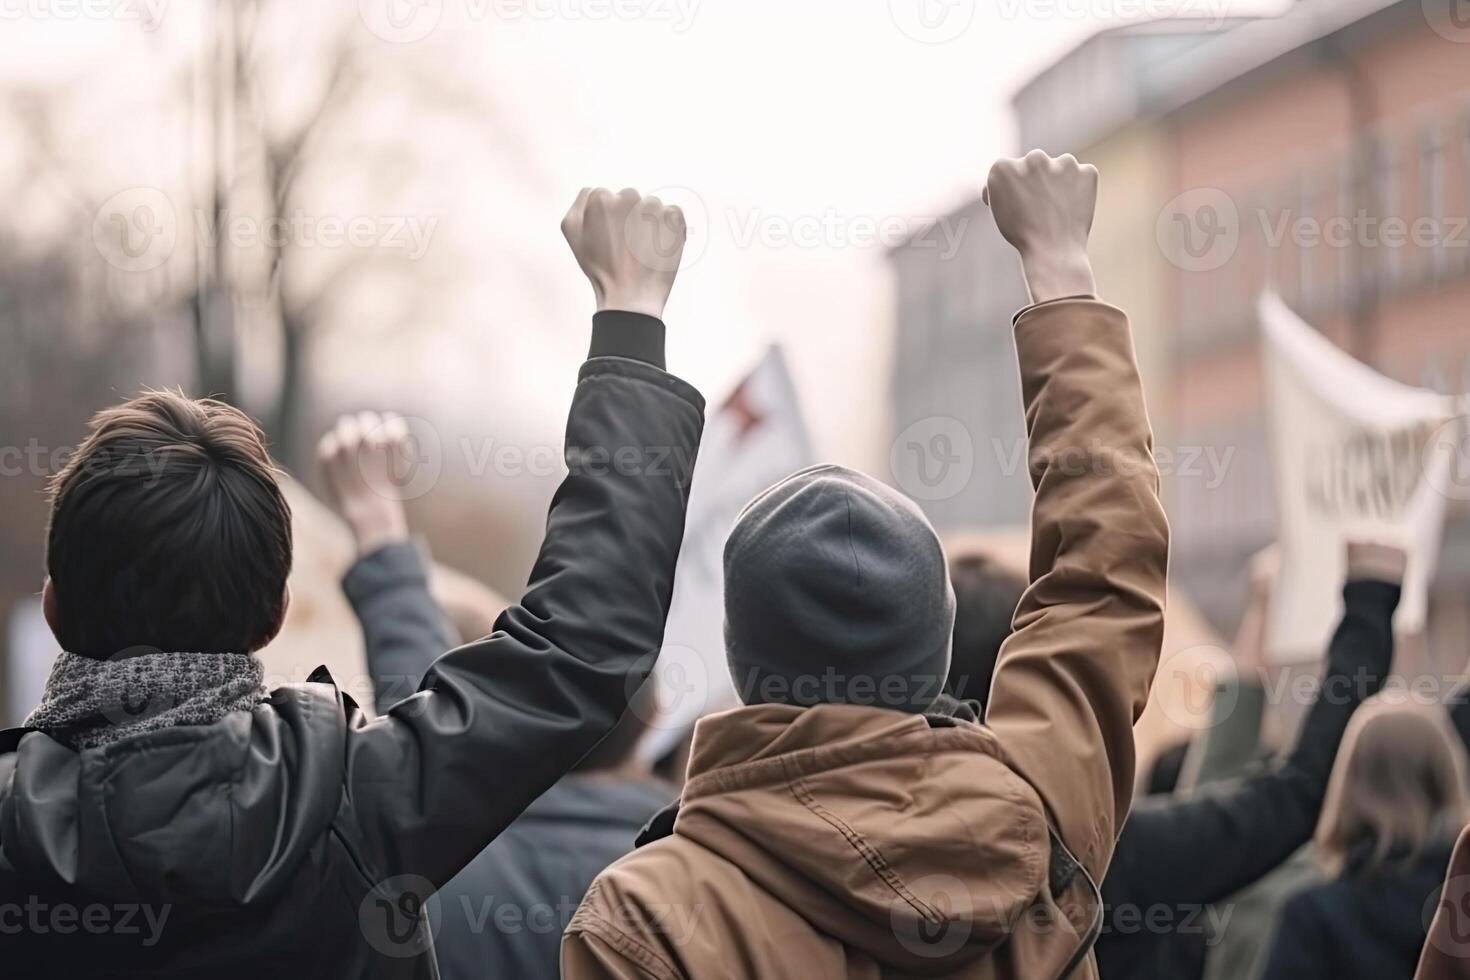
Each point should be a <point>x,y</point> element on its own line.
<point>168,530</point>
<point>986,594</point>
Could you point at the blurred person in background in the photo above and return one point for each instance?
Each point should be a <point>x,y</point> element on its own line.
<point>1179,853</point>
<point>162,814</point>
<point>1397,801</point>
<point>503,915</point>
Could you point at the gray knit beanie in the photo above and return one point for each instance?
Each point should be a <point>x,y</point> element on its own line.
<point>836,591</point>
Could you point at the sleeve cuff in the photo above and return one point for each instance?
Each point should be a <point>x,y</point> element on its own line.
<point>391,565</point>
<point>1051,302</point>
<point>1372,593</point>
<point>636,336</point>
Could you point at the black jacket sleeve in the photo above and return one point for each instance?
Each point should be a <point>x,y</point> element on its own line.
<point>1200,848</point>
<point>496,722</point>
<point>402,627</point>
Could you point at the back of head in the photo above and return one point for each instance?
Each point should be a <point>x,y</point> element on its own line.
<point>168,531</point>
<point>1398,786</point>
<point>986,595</point>
<point>836,591</point>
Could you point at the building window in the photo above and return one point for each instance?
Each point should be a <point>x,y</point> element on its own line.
<point>1432,192</point>
<point>1386,191</point>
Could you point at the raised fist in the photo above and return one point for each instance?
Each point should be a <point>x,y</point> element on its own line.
<point>628,245</point>
<point>359,459</point>
<point>1044,207</point>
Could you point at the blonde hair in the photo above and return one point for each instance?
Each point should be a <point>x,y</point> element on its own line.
<point>1399,783</point>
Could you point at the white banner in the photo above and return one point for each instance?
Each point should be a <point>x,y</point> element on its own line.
<point>1355,454</point>
<point>756,438</point>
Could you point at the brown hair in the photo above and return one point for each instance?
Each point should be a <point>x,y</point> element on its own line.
<point>1398,784</point>
<point>168,530</point>
<point>986,594</point>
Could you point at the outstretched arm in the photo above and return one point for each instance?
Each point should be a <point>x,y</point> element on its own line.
<point>1075,673</point>
<point>497,721</point>
<point>388,586</point>
<point>1205,846</point>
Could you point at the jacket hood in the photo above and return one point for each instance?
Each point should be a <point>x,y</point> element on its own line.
<point>202,817</point>
<point>913,843</point>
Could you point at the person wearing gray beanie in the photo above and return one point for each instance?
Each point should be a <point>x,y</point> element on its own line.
<point>836,592</point>
<point>820,832</point>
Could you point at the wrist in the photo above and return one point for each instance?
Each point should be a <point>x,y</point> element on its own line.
<point>374,531</point>
<point>1056,273</point>
<point>631,301</point>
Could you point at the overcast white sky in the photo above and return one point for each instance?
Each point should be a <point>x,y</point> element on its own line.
<point>770,120</point>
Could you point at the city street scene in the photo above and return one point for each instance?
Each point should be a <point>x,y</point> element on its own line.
<point>683,489</point>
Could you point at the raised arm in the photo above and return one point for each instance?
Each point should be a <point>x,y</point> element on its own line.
<point>1204,846</point>
<point>497,721</point>
<point>403,629</point>
<point>1075,673</point>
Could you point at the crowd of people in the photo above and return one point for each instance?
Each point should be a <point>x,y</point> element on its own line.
<point>932,773</point>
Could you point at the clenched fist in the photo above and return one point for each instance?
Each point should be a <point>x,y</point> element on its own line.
<point>359,460</point>
<point>628,245</point>
<point>1044,206</point>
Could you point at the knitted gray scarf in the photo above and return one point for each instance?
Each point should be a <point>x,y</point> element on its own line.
<point>89,703</point>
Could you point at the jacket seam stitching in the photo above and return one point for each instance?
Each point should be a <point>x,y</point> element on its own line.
<point>672,389</point>
<point>644,956</point>
<point>869,853</point>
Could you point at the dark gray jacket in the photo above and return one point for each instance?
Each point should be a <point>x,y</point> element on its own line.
<point>302,839</point>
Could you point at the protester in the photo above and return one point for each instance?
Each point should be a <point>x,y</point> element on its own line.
<point>1178,854</point>
<point>1397,800</point>
<point>163,815</point>
<point>850,820</point>
<point>503,915</point>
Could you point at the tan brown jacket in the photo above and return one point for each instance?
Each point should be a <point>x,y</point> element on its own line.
<point>856,842</point>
